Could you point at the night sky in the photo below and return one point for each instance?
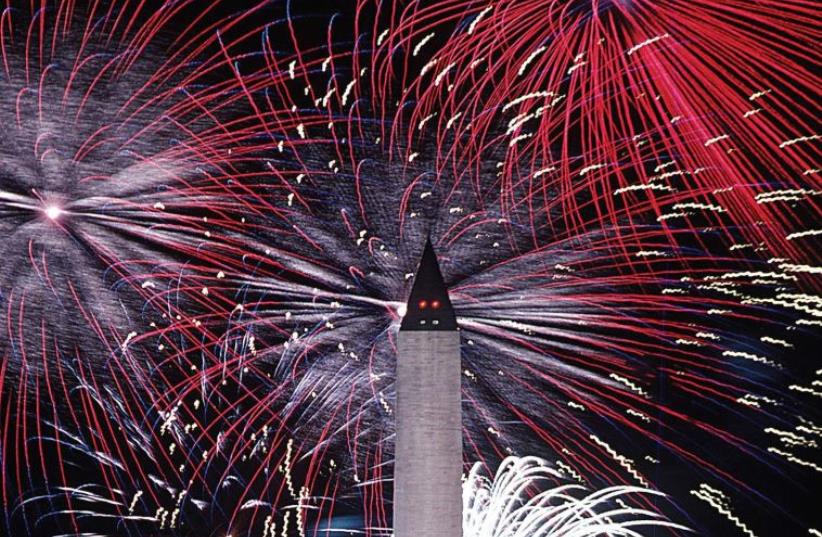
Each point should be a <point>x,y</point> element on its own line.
<point>216,217</point>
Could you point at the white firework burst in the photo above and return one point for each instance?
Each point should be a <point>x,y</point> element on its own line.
<point>527,498</point>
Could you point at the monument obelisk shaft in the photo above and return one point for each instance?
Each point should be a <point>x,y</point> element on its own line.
<point>428,453</point>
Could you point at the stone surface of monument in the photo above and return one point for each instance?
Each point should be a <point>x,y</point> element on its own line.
<point>428,453</point>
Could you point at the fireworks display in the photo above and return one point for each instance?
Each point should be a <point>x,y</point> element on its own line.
<point>211,216</point>
<point>502,507</point>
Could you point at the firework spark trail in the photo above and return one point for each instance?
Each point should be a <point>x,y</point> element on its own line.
<point>123,140</point>
<point>596,317</point>
<point>648,307</point>
<point>629,128</point>
<point>605,93</point>
<point>507,506</point>
<point>606,291</point>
